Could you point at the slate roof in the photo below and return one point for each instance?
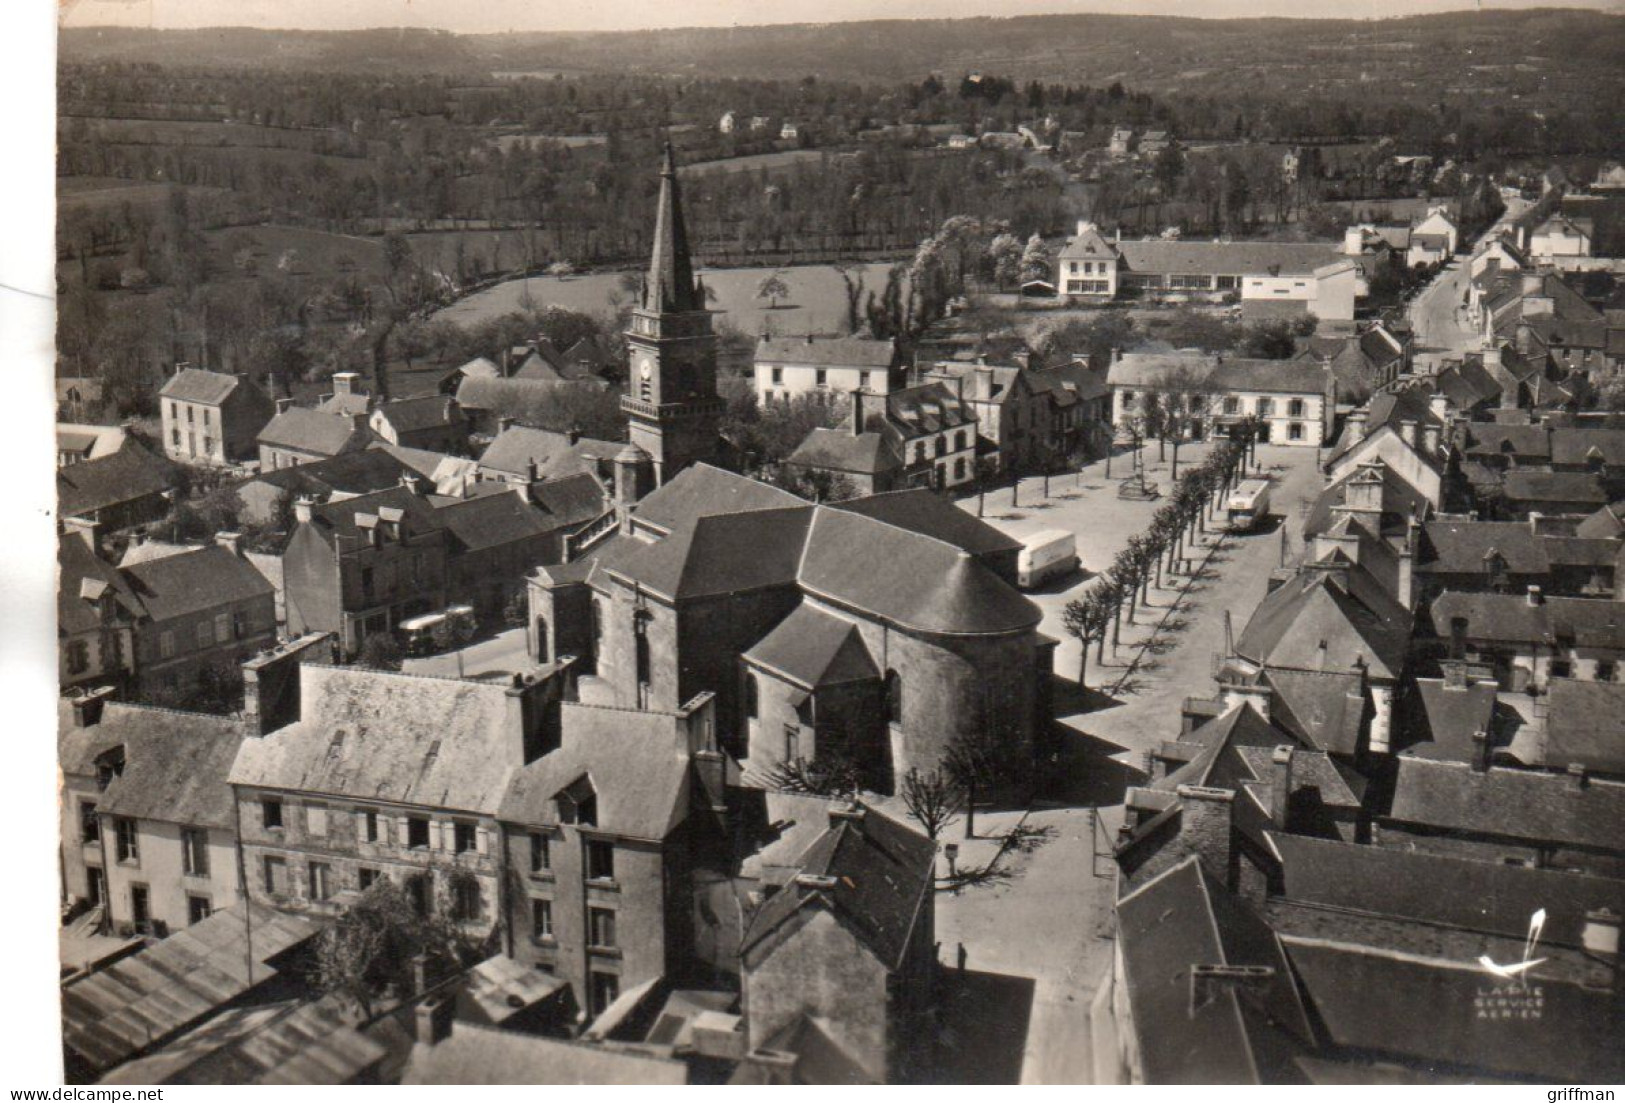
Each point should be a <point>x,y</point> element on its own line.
<point>307,430</point>
<point>1467,384</point>
<point>1573,446</point>
<point>480,367</point>
<point>1388,409</point>
<point>1464,893</point>
<point>1486,438</point>
<point>883,874</point>
<point>76,566</point>
<point>1144,369</point>
<point>1524,485</point>
<point>1230,258</point>
<point>1511,619</point>
<point>491,520</point>
<point>1183,919</point>
<point>571,500</point>
<point>373,735</point>
<point>196,385</point>
<point>128,475</point>
<point>475,1054</point>
<point>1509,803</point>
<point>338,519</point>
<point>111,1015</point>
<point>813,649</point>
<point>481,392</point>
<point>927,513</point>
<point>631,757</point>
<point>847,352</point>
<point>717,554</point>
<point>1400,501</point>
<point>175,765</point>
<point>515,447</point>
<point>925,409</point>
<point>195,581</point>
<point>839,450</point>
<point>1422,1009</point>
<point>1449,716</point>
<point>1460,547</point>
<point>1355,617</point>
<point>1585,724</point>
<point>1324,709</point>
<point>914,581</point>
<point>359,472</point>
<point>409,415</point>
<point>701,489</point>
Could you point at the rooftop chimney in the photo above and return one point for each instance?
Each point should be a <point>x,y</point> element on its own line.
<point>86,529</point>
<point>271,687</point>
<point>572,434</point>
<point>504,424</point>
<point>433,1017</point>
<point>1535,597</point>
<point>283,405</point>
<point>1204,827</point>
<point>344,382</point>
<point>1281,787</point>
<point>1407,431</point>
<point>231,541</point>
<point>87,706</point>
<point>1578,778</point>
<point>302,508</point>
<point>1481,751</point>
<point>1208,981</point>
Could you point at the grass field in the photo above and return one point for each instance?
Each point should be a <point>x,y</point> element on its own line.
<point>817,301</point>
<point>783,158</point>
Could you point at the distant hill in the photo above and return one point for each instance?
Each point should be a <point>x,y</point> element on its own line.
<point>1532,54</point>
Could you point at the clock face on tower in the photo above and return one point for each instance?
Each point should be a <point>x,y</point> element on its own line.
<point>645,367</point>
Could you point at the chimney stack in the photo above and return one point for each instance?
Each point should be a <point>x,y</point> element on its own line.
<point>504,424</point>
<point>1481,751</point>
<point>573,435</point>
<point>231,541</point>
<point>302,508</point>
<point>1204,828</point>
<point>271,687</point>
<point>283,405</point>
<point>1407,431</point>
<point>86,529</point>
<point>1535,597</point>
<point>1455,674</point>
<point>1281,787</point>
<point>344,382</point>
<point>1579,780</point>
<point>87,707</point>
<point>433,1017</point>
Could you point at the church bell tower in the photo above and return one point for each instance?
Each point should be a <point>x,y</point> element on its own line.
<point>671,401</point>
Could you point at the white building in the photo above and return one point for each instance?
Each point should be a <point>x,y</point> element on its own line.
<point>1561,236</point>
<point>1087,265</point>
<point>1293,400</point>
<point>830,366</point>
<point>1329,292</point>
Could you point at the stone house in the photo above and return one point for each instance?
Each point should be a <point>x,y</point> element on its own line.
<point>130,488</point>
<point>922,435</point>
<point>212,418</point>
<point>846,951</point>
<point>96,614</point>
<point>1292,401</point>
<point>434,423</point>
<point>388,775</point>
<point>298,434</point>
<point>1524,640</point>
<point>596,835</point>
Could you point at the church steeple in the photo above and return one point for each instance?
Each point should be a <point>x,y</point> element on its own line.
<point>671,402</point>
<point>669,288</point>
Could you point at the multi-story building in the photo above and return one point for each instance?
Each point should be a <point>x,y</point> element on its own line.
<point>1290,401</point>
<point>298,434</point>
<point>921,435</point>
<point>205,612</point>
<point>1087,265</point>
<point>431,422</point>
<point>830,367</point>
<point>1013,414</point>
<point>128,488</point>
<point>1524,640</point>
<point>212,418</point>
<point>598,843</point>
<point>96,614</point>
<point>388,775</point>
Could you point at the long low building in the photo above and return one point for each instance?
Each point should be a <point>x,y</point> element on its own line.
<point>1292,400</point>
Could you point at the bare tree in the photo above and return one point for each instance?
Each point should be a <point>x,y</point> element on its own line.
<point>933,798</point>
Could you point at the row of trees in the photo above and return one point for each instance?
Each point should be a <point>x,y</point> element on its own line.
<point>1097,615</point>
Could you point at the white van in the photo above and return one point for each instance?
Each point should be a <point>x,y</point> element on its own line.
<point>1045,555</point>
<point>1248,505</point>
<point>418,633</point>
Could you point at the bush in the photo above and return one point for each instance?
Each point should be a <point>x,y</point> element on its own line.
<point>380,651</point>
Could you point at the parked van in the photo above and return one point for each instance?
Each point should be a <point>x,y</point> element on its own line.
<point>1248,506</point>
<point>1045,555</point>
<point>418,634</point>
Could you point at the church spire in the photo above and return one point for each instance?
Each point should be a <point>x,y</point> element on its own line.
<point>670,287</point>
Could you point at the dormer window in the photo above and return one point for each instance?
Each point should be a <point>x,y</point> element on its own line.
<point>578,803</point>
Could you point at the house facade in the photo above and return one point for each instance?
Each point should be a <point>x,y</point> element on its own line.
<point>830,367</point>
<point>434,423</point>
<point>212,418</point>
<point>1292,402</point>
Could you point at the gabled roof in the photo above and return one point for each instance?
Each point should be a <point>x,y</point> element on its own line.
<point>410,415</point>
<point>204,387</point>
<point>128,475</point>
<point>1522,484</point>
<point>1585,724</point>
<point>1449,716</point>
<point>1392,1003</point>
<point>516,447</point>
<point>1183,919</point>
<point>374,735</point>
<point>846,352</point>
<point>925,409</point>
<point>1400,501</point>
<point>839,449</point>
<point>316,431</point>
<point>1231,258</point>
<point>491,520</point>
<point>925,512</point>
<point>175,765</point>
<point>1513,619</point>
<point>571,500</point>
<point>813,649</point>
<point>1346,610</point>
<point>83,576</point>
<point>1578,446</point>
<point>1605,524</point>
<point>701,489</point>
<point>1519,804</point>
<point>359,472</point>
<point>636,762</point>
<point>879,874</point>
<point>1464,893</point>
<point>191,582</point>
<point>1466,547</point>
<point>1089,245</point>
<point>717,554</point>
<point>1324,709</point>
<point>338,519</point>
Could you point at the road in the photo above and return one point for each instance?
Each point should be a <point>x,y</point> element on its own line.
<point>503,653</point>
<point>1438,313</point>
<point>1049,914</point>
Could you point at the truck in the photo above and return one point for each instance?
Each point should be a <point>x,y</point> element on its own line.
<point>1044,555</point>
<point>419,634</point>
<point>1248,506</point>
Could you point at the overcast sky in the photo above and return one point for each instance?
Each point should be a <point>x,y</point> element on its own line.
<point>548,15</point>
